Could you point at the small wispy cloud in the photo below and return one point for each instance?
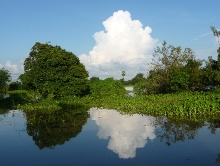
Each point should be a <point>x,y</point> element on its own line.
<point>204,35</point>
<point>201,36</point>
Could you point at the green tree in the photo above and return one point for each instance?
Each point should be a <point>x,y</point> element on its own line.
<point>5,78</point>
<point>172,68</point>
<point>168,68</point>
<point>179,80</point>
<point>210,73</point>
<point>53,70</point>
<point>194,70</point>
<point>15,86</point>
<point>107,87</point>
<point>137,78</point>
<point>92,79</point>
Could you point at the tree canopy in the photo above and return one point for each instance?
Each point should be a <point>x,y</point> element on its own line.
<point>173,69</point>
<point>5,77</point>
<point>53,70</point>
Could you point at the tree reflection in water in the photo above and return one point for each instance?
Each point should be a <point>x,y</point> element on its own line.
<point>218,159</point>
<point>49,130</point>
<point>173,129</point>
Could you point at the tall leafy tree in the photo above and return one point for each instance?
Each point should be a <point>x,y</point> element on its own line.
<point>168,72</point>
<point>168,66</point>
<point>53,70</point>
<point>5,78</point>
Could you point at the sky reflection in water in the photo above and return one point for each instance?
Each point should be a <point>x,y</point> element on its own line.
<point>126,133</point>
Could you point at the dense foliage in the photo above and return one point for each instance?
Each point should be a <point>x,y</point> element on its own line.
<point>176,70</point>
<point>15,86</point>
<point>190,105</point>
<point>53,70</point>
<point>107,87</point>
<point>5,77</point>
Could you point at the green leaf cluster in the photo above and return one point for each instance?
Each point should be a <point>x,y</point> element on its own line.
<point>107,87</point>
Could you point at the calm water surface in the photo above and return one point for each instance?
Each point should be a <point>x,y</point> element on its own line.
<point>105,137</point>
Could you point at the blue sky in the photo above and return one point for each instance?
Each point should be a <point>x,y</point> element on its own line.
<point>72,24</point>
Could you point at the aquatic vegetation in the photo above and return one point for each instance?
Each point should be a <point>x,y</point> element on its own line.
<point>180,104</point>
<point>190,105</point>
<point>50,105</point>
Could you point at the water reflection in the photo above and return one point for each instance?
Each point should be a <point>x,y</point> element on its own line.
<point>126,133</point>
<point>8,102</point>
<point>217,159</point>
<point>173,130</point>
<point>49,130</point>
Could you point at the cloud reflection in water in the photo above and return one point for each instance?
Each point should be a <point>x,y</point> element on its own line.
<point>126,133</point>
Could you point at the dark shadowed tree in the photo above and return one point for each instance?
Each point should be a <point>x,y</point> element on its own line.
<point>92,79</point>
<point>5,78</point>
<point>137,78</point>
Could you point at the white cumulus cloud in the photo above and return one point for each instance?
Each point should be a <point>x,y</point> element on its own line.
<point>126,133</point>
<point>124,45</point>
<point>14,69</point>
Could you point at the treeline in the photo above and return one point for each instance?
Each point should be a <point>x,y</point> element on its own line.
<point>173,70</point>
<point>139,77</point>
<point>52,71</point>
